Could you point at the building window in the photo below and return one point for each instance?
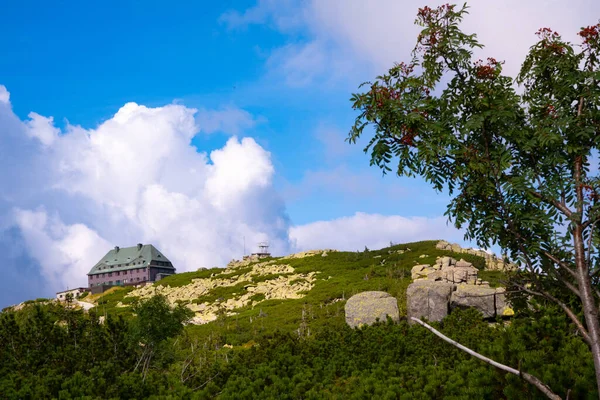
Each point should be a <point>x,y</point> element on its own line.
<point>118,282</point>
<point>110,274</point>
<point>110,282</point>
<point>118,273</point>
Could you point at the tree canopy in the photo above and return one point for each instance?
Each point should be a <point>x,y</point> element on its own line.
<point>515,159</point>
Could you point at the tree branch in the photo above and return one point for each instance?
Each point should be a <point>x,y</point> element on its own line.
<point>560,263</point>
<point>565,308</point>
<point>542,387</point>
<point>557,204</point>
<point>589,256</point>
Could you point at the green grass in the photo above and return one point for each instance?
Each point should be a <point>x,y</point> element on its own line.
<point>222,293</point>
<point>339,276</point>
<point>495,278</point>
<point>185,278</point>
<point>107,303</point>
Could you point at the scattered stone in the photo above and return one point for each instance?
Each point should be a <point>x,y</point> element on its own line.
<point>276,288</point>
<point>423,256</point>
<point>367,307</point>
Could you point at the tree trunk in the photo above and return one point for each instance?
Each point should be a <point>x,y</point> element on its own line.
<point>590,309</point>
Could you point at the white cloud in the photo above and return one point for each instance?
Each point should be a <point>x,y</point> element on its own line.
<point>135,178</point>
<point>299,64</point>
<point>371,36</point>
<point>63,252</point>
<point>372,230</point>
<point>4,95</point>
<point>42,128</point>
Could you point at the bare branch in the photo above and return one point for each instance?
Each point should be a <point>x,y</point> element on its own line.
<point>542,387</point>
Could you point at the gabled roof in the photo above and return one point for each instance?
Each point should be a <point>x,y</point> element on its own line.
<point>122,259</point>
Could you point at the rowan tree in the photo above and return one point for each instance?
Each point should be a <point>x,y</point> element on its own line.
<point>513,154</point>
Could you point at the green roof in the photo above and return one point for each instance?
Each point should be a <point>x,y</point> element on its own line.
<point>122,259</point>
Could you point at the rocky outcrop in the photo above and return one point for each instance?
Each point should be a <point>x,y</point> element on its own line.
<point>450,284</point>
<point>288,285</point>
<point>492,263</point>
<point>428,299</point>
<point>447,269</point>
<point>367,307</point>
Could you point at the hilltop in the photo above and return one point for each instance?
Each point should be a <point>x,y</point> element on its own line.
<point>307,289</point>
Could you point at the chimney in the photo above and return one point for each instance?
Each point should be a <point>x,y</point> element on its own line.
<point>139,246</point>
<point>116,249</point>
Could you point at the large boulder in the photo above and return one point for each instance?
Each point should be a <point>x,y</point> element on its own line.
<point>428,299</point>
<point>367,307</point>
<point>481,298</point>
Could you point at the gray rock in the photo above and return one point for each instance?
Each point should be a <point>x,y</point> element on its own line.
<point>421,271</point>
<point>366,307</point>
<point>479,297</point>
<point>445,261</point>
<point>463,263</point>
<point>428,299</point>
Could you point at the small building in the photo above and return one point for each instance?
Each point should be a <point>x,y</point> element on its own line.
<point>263,252</point>
<point>129,266</point>
<point>62,296</point>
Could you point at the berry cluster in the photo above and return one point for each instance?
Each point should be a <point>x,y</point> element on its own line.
<point>489,70</point>
<point>590,33</point>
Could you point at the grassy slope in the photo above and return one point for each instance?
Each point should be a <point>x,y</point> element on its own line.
<point>340,275</point>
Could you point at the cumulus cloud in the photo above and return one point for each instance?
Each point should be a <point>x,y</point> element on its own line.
<point>63,252</point>
<point>41,128</point>
<point>372,230</point>
<point>135,178</point>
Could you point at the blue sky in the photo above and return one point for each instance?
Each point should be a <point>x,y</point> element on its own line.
<point>194,125</point>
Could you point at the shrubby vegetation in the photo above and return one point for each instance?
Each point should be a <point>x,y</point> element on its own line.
<point>47,351</point>
<point>294,349</point>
